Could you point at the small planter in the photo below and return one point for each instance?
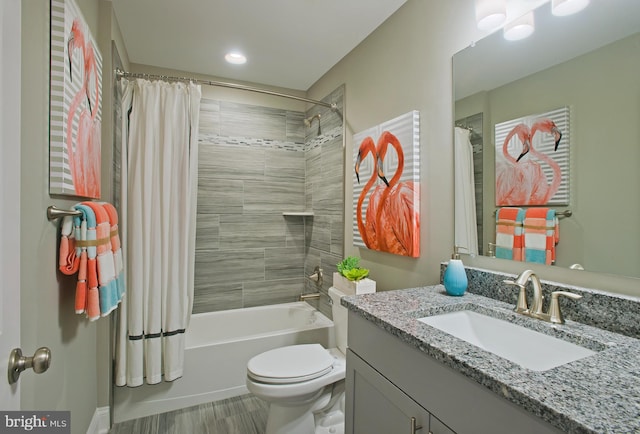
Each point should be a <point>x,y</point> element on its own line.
<point>363,286</point>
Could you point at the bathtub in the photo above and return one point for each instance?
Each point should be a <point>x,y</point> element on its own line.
<point>218,346</point>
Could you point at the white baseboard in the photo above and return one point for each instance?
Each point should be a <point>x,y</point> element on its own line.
<point>99,421</point>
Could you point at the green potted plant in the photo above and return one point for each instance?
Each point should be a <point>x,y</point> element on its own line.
<point>353,279</point>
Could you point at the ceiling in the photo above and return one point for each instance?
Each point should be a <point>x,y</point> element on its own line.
<point>288,43</point>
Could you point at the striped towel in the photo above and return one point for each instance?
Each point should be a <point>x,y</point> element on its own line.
<point>116,249</point>
<point>87,294</point>
<point>541,235</point>
<point>90,246</point>
<point>108,288</point>
<point>509,222</point>
<point>68,261</point>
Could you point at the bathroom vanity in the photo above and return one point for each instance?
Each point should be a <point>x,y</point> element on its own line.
<point>406,376</point>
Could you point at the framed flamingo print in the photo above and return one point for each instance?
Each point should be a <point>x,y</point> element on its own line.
<point>532,159</point>
<point>386,186</point>
<point>75,112</point>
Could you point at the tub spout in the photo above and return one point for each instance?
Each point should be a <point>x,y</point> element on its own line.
<point>311,296</point>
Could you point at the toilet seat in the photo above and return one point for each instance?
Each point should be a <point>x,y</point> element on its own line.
<point>291,364</point>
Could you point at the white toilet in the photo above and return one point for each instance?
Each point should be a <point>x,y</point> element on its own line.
<point>304,384</point>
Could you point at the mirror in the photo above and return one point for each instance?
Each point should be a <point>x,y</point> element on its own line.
<point>590,63</point>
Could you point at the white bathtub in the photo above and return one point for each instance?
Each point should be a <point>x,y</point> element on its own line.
<point>218,347</point>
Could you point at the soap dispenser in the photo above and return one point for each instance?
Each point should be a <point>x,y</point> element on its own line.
<point>455,277</point>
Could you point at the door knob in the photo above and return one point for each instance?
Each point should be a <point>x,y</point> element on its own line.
<point>17,363</point>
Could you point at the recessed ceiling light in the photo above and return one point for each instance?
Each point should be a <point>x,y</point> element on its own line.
<point>235,58</point>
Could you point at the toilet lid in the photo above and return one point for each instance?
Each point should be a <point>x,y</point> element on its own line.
<point>290,364</point>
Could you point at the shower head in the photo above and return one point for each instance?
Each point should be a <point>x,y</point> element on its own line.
<point>309,121</point>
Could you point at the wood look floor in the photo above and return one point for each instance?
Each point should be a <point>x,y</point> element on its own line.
<point>244,414</point>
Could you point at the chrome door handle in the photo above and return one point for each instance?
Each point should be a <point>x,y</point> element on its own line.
<point>17,363</point>
<point>414,427</point>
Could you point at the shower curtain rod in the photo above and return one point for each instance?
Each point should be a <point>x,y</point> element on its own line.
<point>120,73</point>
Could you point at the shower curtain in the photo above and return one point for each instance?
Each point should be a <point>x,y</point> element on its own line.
<point>159,187</point>
<point>466,232</point>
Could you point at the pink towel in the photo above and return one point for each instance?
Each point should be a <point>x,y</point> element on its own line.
<point>88,244</point>
<point>104,260</point>
<point>87,294</point>
<point>116,249</point>
<point>68,261</point>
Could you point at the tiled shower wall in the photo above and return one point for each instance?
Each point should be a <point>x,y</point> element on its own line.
<point>256,163</point>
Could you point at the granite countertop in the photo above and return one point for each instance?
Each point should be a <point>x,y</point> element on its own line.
<point>597,394</point>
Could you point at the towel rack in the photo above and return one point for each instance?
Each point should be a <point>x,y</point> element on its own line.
<point>54,213</point>
<point>565,213</point>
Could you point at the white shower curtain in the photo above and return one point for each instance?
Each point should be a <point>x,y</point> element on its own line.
<point>159,187</point>
<point>466,232</point>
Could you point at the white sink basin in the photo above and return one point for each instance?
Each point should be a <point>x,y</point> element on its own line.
<point>529,349</point>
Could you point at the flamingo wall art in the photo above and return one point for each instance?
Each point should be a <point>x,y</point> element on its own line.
<point>76,104</point>
<point>532,159</point>
<point>386,187</point>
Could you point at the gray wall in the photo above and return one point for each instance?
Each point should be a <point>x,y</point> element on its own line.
<point>256,163</point>
<point>405,64</point>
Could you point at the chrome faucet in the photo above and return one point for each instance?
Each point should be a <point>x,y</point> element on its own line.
<point>521,282</point>
<point>536,311</point>
<point>317,275</point>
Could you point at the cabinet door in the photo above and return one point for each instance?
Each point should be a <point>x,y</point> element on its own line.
<point>376,406</point>
<point>437,427</point>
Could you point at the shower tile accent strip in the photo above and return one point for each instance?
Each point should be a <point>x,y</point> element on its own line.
<point>613,312</point>
<point>254,164</point>
<point>596,394</point>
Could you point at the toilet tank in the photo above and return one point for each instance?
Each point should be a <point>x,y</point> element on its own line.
<point>339,313</point>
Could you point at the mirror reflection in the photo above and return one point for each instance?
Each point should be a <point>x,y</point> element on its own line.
<point>590,64</point>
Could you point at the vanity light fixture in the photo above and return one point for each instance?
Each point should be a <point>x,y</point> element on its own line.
<point>519,28</point>
<point>567,7</point>
<point>235,58</point>
<point>490,14</point>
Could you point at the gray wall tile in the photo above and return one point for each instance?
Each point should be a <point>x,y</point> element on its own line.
<point>209,118</point>
<point>253,166</point>
<point>224,162</point>
<point>215,197</point>
<point>272,292</point>
<point>287,166</point>
<point>273,197</point>
<point>252,231</point>
<point>211,298</point>
<point>229,266</point>
<point>207,231</point>
<point>252,121</point>
<point>284,263</point>
<point>294,230</point>
<point>295,126</point>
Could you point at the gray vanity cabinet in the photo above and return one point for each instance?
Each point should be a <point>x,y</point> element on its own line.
<point>377,406</point>
<point>389,381</point>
